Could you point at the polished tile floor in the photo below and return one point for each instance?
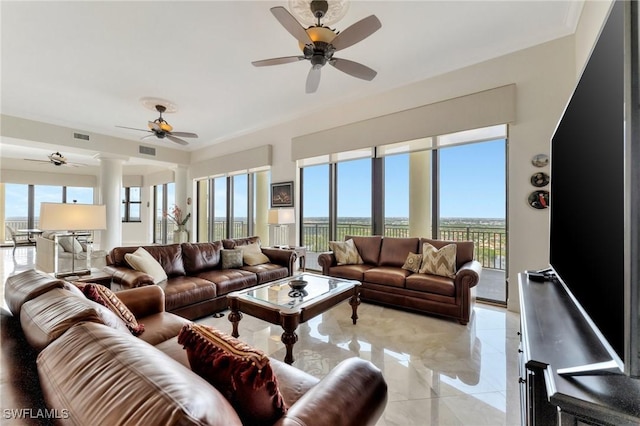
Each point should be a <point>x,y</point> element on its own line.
<point>438,372</point>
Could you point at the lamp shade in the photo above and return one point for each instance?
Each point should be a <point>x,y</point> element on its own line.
<point>72,217</point>
<point>281,216</point>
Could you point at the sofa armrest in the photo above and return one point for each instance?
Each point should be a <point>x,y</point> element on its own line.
<point>469,274</point>
<point>353,393</point>
<point>327,260</point>
<point>127,277</point>
<point>143,301</point>
<point>282,257</point>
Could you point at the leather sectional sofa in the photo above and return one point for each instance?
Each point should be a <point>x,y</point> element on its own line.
<point>385,281</point>
<point>197,285</point>
<point>61,363</point>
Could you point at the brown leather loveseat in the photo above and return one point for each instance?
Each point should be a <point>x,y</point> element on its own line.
<point>385,281</point>
<point>197,285</point>
<point>65,361</point>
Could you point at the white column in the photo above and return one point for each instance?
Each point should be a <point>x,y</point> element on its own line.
<point>110,191</point>
<point>262,207</point>
<point>180,180</point>
<point>420,194</point>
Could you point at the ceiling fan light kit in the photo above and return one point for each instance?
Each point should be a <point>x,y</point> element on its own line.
<point>319,42</point>
<point>159,127</point>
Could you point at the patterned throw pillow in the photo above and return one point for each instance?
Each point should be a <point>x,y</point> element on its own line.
<point>252,254</point>
<point>346,252</point>
<point>141,260</point>
<point>240,372</point>
<point>231,258</point>
<point>105,297</point>
<point>439,262</point>
<point>413,262</point>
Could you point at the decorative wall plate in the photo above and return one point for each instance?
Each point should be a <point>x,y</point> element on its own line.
<point>539,199</point>
<point>540,160</point>
<point>539,179</point>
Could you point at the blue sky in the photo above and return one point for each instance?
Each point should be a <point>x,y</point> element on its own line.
<point>472,184</point>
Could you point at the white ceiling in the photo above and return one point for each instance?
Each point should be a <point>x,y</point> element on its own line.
<point>86,64</point>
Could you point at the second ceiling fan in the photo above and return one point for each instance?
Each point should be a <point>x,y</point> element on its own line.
<point>319,43</point>
<point>160,129</point>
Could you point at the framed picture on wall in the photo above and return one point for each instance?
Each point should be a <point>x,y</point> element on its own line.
<point>282,194</point>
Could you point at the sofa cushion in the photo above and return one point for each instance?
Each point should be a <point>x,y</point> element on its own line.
<point>345,252</point>
<point>413,262</point>
<point>231,258</point>
<point>388,275</point>
<point>141,260</point>
<point>169,256</point>
<point>119,379</point>
<point>198,257</point>
<point>252,255</point>
<point>268,272</point>
<point>228,280</point>
<point>394,251</point>
<point>162,326</point>
<point>431,284</point>
<point>27,285</point>
<point>186,290</point>
<point>240,372</point>
<point>439,261</point>
<point>105,297</point>
<point>464,249</point>
<point>350,272</point>
<point>368,247</point>
<point>236,242</point>
<point>49,315</point>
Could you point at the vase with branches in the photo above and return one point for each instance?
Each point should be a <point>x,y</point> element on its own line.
<point>176,215</point>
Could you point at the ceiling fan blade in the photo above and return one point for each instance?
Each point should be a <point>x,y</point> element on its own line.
<point>277,61</point>
<point>133,128</point>
<point>183,134</point>
<point>313,79</point>
<point>177,140</point>
<point>37,161</point>
<point>356,32</point>
<point>291,24</point>
<point>354,69</point>
<point>152,135</point>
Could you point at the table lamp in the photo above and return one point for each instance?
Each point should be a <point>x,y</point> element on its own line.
<point>278,218</point>
<point>75,220</point>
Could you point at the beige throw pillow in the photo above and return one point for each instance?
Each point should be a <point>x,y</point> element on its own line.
<point>413,262</point>
<point>141,260</point>
<point>252,255</point>
<point>439,262</point>
<point>346,252</point>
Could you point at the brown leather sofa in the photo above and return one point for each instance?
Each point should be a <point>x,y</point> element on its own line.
<point>197,285</point>
<point>83,372</point>
<point>385,281</point>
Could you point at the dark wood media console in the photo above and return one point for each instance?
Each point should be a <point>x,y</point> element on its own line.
<point>553,335</point>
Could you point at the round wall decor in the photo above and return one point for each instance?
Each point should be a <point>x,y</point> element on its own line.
<point>539,199</point>
<point>539,179</point>
<point>540,160</point>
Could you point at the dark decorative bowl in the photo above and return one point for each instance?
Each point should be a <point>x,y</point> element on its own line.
<point>298,284</point>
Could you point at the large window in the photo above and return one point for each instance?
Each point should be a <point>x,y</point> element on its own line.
<point>131,204</point>
<point>163,200</point>
<point>447,187</point>
<point>22,202</point>
<point>232,201</point>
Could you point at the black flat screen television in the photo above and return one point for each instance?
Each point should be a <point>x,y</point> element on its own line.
<point>595,163</point>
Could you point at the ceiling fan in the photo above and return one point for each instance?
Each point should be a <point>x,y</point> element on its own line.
<point>57,159</point>
<point>161,129</point>
<point>319,43</point>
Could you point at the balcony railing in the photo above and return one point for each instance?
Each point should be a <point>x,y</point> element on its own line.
<point>490,243</point>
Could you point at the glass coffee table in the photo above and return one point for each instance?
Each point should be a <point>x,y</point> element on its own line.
<point>278,302</point>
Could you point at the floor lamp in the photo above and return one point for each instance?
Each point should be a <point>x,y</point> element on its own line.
<point>74,220</point>
<point>281,219</point>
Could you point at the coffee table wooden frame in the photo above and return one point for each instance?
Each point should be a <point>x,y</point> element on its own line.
<point>289,318</point>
